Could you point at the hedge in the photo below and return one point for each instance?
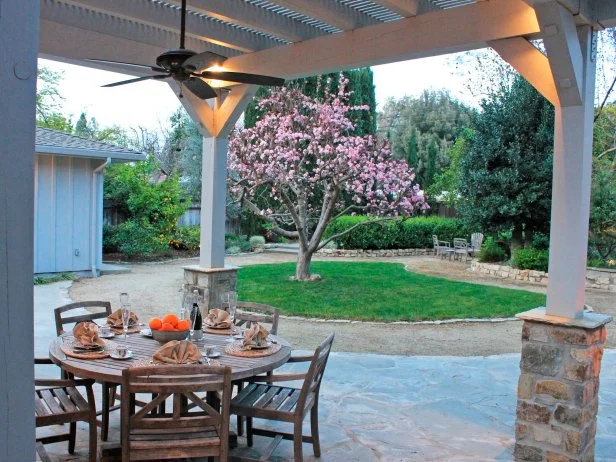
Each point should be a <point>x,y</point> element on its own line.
<point>531,259</point>
<point>413,233</point>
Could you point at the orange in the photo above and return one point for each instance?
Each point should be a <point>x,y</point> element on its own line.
<point>155,323</point>
<point>167,326</point>
<point>171,319</point>
<point>183,325</point>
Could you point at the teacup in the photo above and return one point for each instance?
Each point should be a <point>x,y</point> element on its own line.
<point>104,331</point>
<point>121,351</point>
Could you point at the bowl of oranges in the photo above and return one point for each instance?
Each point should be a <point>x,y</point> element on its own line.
<point>169,327</point>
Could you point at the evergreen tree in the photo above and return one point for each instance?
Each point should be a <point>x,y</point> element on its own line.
<point>411,153</point>
<point>430,171</point>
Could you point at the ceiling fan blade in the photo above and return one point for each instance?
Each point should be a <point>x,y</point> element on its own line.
<point>138,66</point>
<point>200,88</point>
<point>241,77</point>
<point>202,61</point>
<point>138,79</point>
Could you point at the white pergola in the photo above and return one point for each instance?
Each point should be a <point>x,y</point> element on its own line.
<point>290,39</point>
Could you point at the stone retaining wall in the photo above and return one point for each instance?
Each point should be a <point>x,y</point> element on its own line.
<point>375,253</point>
<point>596,278</point>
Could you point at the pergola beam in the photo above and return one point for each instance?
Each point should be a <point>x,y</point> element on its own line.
<point>91,22</point>
<point>335,14</point>
<point>254,17</point>
<point>168,18</point>
<point>562,45</point>
<point>530,63</point>
<point>429,34</point>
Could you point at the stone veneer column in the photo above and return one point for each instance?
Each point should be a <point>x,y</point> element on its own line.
<point>216,280</point>
<point>558,386</point>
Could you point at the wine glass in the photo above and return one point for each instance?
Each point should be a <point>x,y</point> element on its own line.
<point>123,299</point>
<point>125,320</point>
<point>230,305</point>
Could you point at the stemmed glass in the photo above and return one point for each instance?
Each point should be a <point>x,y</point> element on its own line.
<point>229,302</point>
<point>123,299</point>
<point>125,320</point>
<point>195,299</point>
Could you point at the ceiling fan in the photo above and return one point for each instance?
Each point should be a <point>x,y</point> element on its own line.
<point>190,68</point>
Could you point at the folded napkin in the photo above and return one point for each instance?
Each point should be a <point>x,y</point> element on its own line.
<point>178,352</point>
<point>255,336</point>
<point>86,335</point>
<point>218,318</point>
<point>115,319</point>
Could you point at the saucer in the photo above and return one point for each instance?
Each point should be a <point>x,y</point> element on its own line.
<point>109,335</point>
<point>114,355</point>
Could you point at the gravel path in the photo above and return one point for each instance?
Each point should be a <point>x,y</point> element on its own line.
<point>154,289</point>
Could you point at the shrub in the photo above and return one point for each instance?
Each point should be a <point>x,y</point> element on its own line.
<point>413,233</point>
<point>186,238</point>
<point>140,239</point>
<point>531,259</point>
<point>110,238</point>
<point>234,250</point>
<point>492,252</point>
<point>257,241</point>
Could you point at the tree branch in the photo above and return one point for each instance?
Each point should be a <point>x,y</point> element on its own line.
<point>276,229</point>
<point>357,225</point>
<point>607,95</point>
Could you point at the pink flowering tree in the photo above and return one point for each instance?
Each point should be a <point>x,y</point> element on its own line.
<point>300,167</point>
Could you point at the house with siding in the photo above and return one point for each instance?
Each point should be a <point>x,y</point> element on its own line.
<point>68,214</point>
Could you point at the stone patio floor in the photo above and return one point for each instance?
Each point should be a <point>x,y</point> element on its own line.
<point>397,408</point>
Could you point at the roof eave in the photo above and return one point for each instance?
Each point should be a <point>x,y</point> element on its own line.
<point>117,156</point>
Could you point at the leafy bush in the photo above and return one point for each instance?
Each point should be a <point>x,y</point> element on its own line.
<point>492,252</point>
<point>531,259</point>
<point>541,241</point>
<point>186,238</point>
<point>110,238</point>
<point>239,244</point>
<point>257,241</point>
<point>140,239</point>
<point>414,233</point>
<point>234,250</point>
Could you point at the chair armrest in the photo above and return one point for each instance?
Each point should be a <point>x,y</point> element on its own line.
<point>276,378</point>
<point>63,382</point>
<point>43,361</point>
<point>445,243</point>
<point>300,359</point>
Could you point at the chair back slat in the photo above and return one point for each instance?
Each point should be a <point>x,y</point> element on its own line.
<point>98,310</point>
<point>250,312</point>
<point>314,376</point>
<point>476,240</point>
<point>181,383</point>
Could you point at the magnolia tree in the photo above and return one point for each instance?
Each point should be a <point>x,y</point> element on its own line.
<point>300,167</point>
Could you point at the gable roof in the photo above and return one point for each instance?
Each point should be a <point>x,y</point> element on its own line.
<point>59,143</point>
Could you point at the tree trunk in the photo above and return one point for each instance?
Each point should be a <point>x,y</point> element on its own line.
<point>516,238</point>
<point>302,267</point>
<point>528,236</point>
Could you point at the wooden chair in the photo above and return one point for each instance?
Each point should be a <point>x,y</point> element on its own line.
<point>57,402</point>
<point>441,248</point>
<point>201,431</point>
<point>263,400</point>
<point>101,310</point>
<point>460,249</point>
<point>249,313</point>
<point>476,242</point>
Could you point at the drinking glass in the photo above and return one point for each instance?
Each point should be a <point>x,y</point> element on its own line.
<point>125,319</point>
<point>229,303</point>
<point>123,299</point>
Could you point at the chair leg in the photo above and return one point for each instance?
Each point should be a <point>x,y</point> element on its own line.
<point>297,441</point>
<point>93,437</point>
<point>105,412</point>
<point>314,429</point>
<point>240,419</point>
<point>249,431</point>
<point>71,437</point>
<point>113,389</point>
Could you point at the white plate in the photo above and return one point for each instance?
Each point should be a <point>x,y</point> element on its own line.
<point>114,355</point>
<point>261,347</point>
<point>146,332</point>
<point>215,354</point>
<point>109,335</point>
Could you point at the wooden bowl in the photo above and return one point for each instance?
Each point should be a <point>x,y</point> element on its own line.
<point>164,336</point>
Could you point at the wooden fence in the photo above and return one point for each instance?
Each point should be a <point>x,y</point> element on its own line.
<point>192,217</point>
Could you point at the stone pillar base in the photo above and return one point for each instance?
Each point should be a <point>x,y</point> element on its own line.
<point>211,282</point>
<point>558,387</point>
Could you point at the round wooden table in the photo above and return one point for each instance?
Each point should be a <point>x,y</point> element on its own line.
<point>109,370</point>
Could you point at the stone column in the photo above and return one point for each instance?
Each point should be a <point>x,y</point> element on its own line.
<point>216,280</point>
<point>558,386</point>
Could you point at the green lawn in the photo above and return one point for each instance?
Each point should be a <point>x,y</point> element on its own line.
<point>378,292</point>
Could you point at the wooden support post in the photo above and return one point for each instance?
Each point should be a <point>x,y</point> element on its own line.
<point>19,29</point>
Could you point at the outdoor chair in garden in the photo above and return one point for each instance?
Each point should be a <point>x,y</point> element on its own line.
<point>460,249</point>
<point>58,402</point>
<point>264,400</point>
<point>476,242</point>
<point>441,248</point>
<point>97,310</point>
<point>247,314</point>
<point>193,428</point>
